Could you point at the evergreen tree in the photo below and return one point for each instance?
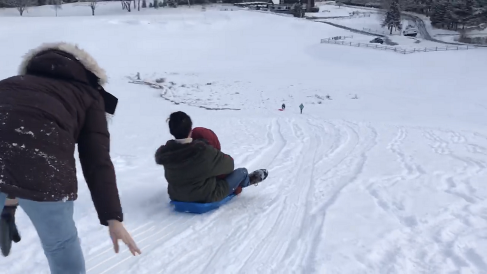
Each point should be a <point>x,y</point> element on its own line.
<point>469,5</point>
<point>393,17</point>
<point>451,17</point>
<point>428,6</point>
<point>446,14</point>
<point>438,13</point>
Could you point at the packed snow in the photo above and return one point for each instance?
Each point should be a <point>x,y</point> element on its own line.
<point>390,182</point>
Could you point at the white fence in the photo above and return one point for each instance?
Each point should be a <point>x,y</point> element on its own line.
<point>394,49</point>
<point>376,31</point>
<point>357,15</point>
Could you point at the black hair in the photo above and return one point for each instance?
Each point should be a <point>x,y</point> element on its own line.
<point>180,125</point>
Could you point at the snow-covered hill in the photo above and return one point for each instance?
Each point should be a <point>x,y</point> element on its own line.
<point>391,182</point>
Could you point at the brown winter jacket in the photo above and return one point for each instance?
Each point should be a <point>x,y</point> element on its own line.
<point>191,170</point>
<point>47,109</point>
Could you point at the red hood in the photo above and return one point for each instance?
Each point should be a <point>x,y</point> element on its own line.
<point>201,133</point>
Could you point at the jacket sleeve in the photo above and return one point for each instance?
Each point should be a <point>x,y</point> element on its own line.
<point>98,170</point>
<point>220,163</point>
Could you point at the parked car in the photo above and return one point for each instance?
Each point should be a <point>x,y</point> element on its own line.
<point>377,40</point>
<point>410,31</point>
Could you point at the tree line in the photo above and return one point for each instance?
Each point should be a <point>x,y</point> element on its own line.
<point>128,5</point>
<point>448,14</point>
<point>451,14</point>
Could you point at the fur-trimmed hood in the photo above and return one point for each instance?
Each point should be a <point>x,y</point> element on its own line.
<point>82,56</point>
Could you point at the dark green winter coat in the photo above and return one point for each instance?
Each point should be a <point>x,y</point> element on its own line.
<point>191,170</point>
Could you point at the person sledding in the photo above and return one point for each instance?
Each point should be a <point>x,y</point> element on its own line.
<point>196,171</point>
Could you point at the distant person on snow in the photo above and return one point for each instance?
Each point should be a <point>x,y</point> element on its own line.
<point>195,169</point>
<point>283,106</point>
<point>301,108</point>
<point>56,102</point>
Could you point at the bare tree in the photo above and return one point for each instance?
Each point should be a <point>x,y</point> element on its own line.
<point>20,5</point>
<point>57,5</point>
<point>127,4</point>
<point>138,5</point>
<point>93,4</point>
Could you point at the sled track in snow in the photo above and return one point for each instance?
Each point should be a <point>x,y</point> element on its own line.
<point>282,225</point>
<point>305,151</point>
<point>352,158</point>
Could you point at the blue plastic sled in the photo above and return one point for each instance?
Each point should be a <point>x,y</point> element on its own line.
<point>199,208</point>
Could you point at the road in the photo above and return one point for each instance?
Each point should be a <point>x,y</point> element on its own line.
<point>418,22</point>
<point>422,29</point>
<point>386,38</point>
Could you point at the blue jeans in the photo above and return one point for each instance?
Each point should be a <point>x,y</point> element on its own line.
<point>56,229</point>
<point>239,177</point>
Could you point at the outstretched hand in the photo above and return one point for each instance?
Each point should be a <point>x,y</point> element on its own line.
<point>118,232</point>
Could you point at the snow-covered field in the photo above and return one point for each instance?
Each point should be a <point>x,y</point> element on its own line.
<point>391,182</point>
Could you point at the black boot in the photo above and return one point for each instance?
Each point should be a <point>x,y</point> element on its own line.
<point>8,229</point>
<point>258,176</point>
